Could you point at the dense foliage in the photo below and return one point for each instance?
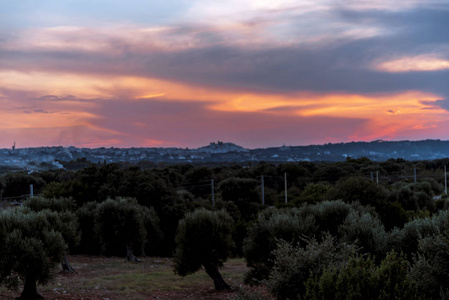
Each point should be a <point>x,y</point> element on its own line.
<point>203,240</point>
<point>30,248</point>
<point>362,214</point>
<point>361,278</point>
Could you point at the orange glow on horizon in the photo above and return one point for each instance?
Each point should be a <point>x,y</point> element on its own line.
<point>386,115</point>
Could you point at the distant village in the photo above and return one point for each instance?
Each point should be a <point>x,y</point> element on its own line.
<point>379,150</point>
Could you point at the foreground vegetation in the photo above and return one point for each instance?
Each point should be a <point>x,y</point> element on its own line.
<point>331,229</point>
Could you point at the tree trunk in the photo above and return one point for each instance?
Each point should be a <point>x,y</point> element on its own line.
<point>66,265</point>
<point>130,253</point>
<point>30,290</point>
<point>143,251</point>
<point>212,271</point>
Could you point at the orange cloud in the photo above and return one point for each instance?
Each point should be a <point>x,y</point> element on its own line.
<point>37,119</point>
<point>384,115</point>
<point>44,83</point>
<point>414,64</point>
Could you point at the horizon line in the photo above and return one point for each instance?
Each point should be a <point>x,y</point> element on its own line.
<point>15,147</point>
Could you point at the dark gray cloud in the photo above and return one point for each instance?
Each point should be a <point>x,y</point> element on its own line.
<point>442,103</point>
<point>54,98</point>
<point>344,64</point>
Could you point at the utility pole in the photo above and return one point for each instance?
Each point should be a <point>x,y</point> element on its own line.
<point>213,192</point>
<point>31,191</point>
<point>445,181</point>
<point>285,180</point>
<point>263,192</point>
<point>414,175</point>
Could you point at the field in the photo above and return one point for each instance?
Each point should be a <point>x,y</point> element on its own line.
<point>152,278</point>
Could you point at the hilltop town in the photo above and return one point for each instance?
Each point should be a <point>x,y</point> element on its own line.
<point>53,157</point>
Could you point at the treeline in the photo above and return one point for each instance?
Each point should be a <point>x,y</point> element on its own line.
<point>321,228</point>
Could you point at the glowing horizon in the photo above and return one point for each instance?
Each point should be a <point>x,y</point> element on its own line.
<point>186,73</point>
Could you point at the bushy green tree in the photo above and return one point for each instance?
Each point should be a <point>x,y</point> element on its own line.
<point>365,231</point>
<point>153,240</point>
<point>89,241</point>
<point>394,216</point>
<point>329,214</point>
<point>360,189</point>
<point>199,177</point>
<point>54,204</point>
<point>30,248</point>
<point>328,172</point>
<point>416,196</point>
<point>405,197</point>
<point>18,183</point>
<point>406,240</point>
<point>121,223</point>
<point>293,265</point>
<point>437,188</point>
<point>289,225</point>
<point>360,278</point>
<point>314,192</point>
<point>431,266</point>
<point>63,219</point>
<point>243,192</point>
<point>203,239</point>
<point>67,189</point>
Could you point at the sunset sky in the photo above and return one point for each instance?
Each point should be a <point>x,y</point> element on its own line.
<point>183,73</point>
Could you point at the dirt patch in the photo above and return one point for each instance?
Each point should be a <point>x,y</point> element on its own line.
<point>111,278</point>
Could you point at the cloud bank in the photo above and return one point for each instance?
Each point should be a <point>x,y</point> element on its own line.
<point>259,73</point>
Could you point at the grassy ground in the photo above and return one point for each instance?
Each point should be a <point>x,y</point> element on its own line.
<point>152,278</point>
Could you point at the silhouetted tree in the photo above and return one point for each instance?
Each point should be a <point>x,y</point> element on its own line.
<point>63,219</point>
<point>288,225</point>
<point>361,278</point>
<point>30,249</point>
<point>243,192</point>
<point>203,240</point>
<point>18,184</point>
<point>89,242</point>
<point>294,264</point>
<point>119,224</point>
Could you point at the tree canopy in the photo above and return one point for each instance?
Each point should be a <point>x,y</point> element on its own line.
<point>203,239</point>
<point>31,247</point>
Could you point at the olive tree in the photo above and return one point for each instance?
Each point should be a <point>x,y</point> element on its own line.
<point>89,242</point>
<point>407,239</point>
<point>294,264</point>
<point>151,222</point>
<point>366,231</point>
<point>431,265</point>
<point>119,224</point>
<point>203,239</point>
<point>243,192</point>
<point>30,249</point>
<point>361,278</point>
<point>63,219</point>
<point>288,225</point>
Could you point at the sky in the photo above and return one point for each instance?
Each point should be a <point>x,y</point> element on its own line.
<point>184,73</point>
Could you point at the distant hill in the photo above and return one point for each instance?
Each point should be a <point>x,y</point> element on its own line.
<point>221,147</point>
<point>221,152</point>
